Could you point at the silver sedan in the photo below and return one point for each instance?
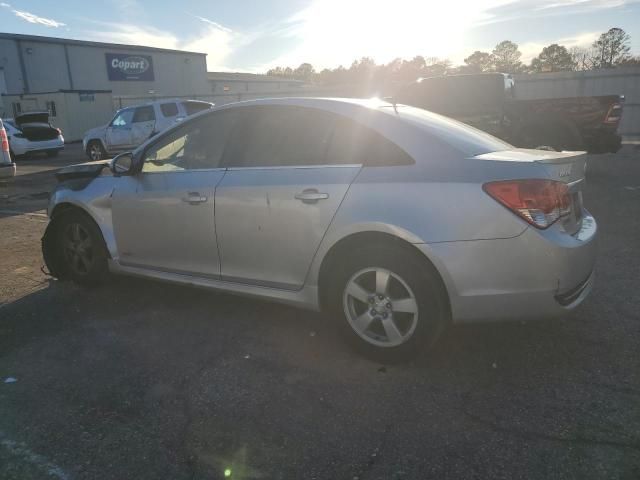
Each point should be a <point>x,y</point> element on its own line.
<point>394,220</point>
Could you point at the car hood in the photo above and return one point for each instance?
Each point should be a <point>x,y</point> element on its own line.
<point>82,170</point>
<point>31,117</point>
<point>95,132</point>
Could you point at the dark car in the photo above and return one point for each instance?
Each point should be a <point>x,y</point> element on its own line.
<point>487,101</point>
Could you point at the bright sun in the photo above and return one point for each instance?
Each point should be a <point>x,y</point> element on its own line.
<point>338,31</point>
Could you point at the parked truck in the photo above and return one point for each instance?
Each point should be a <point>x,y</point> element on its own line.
<point>488,102</point>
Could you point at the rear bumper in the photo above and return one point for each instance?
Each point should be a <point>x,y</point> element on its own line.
<point>7,171</point>
<point>39,146</point>
<point>538,274</point>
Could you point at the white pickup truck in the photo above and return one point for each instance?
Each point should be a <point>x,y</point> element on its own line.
<point>132,126</point>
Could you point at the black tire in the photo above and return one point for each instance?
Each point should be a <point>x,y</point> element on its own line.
<point>81,248</point>
<point>95,151</point>
<point>52,153</point>
<point>425,285</point>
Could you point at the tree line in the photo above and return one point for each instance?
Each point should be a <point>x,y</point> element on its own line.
<point>610,50</point>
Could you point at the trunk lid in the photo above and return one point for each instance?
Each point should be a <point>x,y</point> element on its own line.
<point>32,117</point>
<point>36,127</point>
<point>565,167</point>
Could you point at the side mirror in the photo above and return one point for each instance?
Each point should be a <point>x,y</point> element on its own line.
<point>122,164</point>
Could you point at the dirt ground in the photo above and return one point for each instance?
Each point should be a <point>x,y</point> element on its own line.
<point>144,380</point>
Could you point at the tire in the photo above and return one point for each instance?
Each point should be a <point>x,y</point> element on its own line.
<point>95,151</point>
<point>373,323</point>
<point>81,248</point>
<point>52,153</point>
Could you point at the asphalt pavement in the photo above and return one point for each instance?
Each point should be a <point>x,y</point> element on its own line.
<point>144,380</point>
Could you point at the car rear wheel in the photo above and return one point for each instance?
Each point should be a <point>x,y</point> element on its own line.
<point>389,304</point>
<point>95,150</point>
<point>82,248</point>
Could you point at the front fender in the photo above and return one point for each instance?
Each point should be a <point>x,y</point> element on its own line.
<point>94,199</point>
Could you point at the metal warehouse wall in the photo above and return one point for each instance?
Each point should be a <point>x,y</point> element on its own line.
<point>619,81</point>
<point>46,69</point>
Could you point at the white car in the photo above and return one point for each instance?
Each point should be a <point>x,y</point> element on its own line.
<point>132,126</point>
<point>7,167</point>
<point>31,132</point>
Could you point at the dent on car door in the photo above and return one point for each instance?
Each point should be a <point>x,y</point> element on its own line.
<point>143,125</point>
<point>278,197</point>
<point>164,216</point>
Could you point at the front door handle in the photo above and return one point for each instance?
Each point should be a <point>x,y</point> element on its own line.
<point>311,195</point>
<point>194,198</point>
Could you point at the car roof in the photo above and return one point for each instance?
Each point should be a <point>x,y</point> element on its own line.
<point>462,137</point>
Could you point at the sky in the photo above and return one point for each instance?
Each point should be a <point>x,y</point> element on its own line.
<point>255,35</point>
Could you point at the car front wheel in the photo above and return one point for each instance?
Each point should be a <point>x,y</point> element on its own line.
<point>82,248</point>
<point>389,304</point>
<point>95,150</point>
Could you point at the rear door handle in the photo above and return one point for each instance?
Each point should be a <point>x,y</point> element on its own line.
<point>311,196</point>
<point>194,198</point>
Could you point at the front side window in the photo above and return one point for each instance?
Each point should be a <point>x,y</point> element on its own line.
<point>283,136</point>
<point>198,144</point>
<point>123,118</point>
<point>144,114</point>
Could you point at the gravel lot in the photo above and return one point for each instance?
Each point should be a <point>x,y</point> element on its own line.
<point>144,380</point>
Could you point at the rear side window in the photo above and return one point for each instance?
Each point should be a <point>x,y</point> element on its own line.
<point>144,114</point>
<point>282,136</point>
<point>192,108</point>
<point>353,143</point>
<point>169,109</point>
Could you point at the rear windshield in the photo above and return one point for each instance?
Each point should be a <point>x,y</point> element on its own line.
<point>460,136</point>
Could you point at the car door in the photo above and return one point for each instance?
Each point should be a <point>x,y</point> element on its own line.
<point>278,196</point>
<point>143,124</point>
<point>118,134</point>
<point>163,216</point>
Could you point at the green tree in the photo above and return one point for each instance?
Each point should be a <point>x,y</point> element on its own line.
<point>554,58</point>
<point>611,48</point>
<point>506,57</point>
<point>304,72</point>
<point>478,62</point>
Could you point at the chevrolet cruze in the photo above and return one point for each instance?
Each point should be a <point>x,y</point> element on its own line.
<point>394,220</point>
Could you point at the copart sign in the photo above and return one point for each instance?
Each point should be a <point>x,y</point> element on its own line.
<point>129,67</point>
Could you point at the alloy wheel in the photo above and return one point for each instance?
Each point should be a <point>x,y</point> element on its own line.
<point>94,152</point>
<point>380,307</point>
<point>78,248</point>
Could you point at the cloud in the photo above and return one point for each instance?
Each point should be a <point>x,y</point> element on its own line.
<point>32,17</point>
<point>530,50</point>
<point>216,40</point>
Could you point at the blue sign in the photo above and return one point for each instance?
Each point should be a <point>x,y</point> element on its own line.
<point>129,67</point>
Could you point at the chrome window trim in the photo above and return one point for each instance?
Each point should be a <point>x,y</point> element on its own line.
<point>281,167</point>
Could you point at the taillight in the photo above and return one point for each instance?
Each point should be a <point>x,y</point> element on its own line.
<point>539,202</point>
<point>614,114</point>
<point>4,140</point>
<point>59,131</point>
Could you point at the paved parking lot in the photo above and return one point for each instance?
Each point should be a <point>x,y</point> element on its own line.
<point>145,380</point>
